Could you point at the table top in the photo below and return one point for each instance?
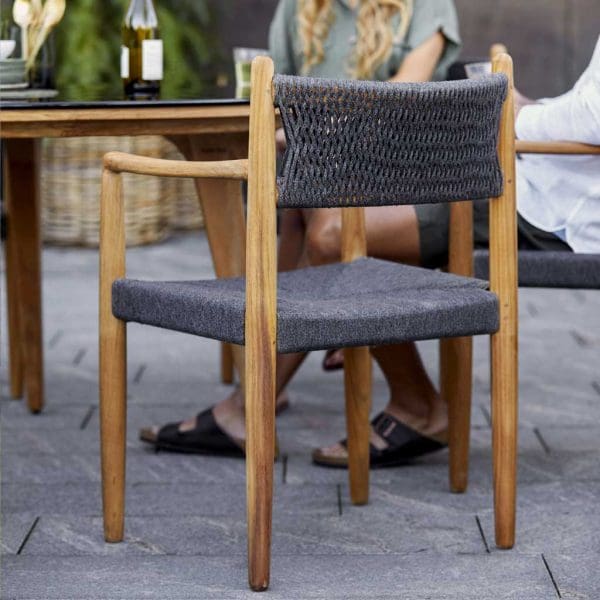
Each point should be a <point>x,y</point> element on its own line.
<point>58,103</point>
<point>73,118</point>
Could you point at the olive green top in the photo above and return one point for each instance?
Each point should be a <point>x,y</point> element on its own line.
<point>429,16</point>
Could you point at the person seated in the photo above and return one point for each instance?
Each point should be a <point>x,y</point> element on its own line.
<point>559,209</point>
<point>395,40</point>
<point>558,200</point>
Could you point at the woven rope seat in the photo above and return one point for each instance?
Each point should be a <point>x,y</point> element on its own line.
<point>357,144</point>
<point>367,302</point>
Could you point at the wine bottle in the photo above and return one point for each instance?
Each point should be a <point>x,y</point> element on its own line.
<point>141,52</point>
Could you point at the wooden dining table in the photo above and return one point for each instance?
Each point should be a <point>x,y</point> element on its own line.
<point>202,129</point>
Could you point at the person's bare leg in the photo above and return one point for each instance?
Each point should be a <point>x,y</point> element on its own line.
<point>392,234</point>
<point>413,398</point>
<point>291,239</point>
<point>229,412</point>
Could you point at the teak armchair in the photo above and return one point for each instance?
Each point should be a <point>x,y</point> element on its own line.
<point>350,144</point>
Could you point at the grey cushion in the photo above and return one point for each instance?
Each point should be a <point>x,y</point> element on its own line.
<point>367,302</point>
<point>550,269</point>
<point>352,143</point>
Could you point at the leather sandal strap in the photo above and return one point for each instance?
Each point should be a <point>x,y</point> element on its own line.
<point>394,432</point>
<point>206,434</point>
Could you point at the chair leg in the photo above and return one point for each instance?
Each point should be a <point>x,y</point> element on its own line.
<point>15,349</point>
<point>456,368</point>
<point>357,384</point>
<point>226,364</point>
<point>260,456</point>
<point>504,434</point>
<point>113,359</point>
<point>113,417</point>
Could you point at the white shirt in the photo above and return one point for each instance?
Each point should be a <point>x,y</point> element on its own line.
<point>561,194</point>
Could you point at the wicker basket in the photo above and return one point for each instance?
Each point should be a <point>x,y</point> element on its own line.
<point>71,174</point>
<point>181,195</point>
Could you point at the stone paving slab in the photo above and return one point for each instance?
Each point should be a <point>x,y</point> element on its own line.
<point>15,417</point>
<point>576,575</point>
<point>572,439</point>
<point>294,533</point>
<point>533,467</point>
<point>556,517</point>
<point>419,576</point>
<point>142,466</point>
<point>164,499</point>
<point>414,540</point>
<point>13,531</point>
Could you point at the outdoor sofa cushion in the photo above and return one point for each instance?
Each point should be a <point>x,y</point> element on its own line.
<point>366,302</point>
<point>548,269</point>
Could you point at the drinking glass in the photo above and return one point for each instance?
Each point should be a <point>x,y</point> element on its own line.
<point>478,69</point>
<point>242,57</point>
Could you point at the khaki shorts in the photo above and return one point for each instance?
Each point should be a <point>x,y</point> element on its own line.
<point>433,233</point>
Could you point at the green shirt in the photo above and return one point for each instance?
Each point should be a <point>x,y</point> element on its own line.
<point>429,16</point>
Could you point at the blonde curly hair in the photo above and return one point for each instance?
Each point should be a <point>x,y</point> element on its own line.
<point>375,35</point>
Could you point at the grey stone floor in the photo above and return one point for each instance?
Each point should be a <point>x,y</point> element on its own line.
<point>185,527</point>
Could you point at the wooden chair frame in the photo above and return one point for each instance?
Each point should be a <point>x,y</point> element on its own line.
<point>261,328</point>
<point>456,355</point>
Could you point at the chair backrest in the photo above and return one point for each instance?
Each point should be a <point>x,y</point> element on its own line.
<point>358,143</point>
<point>460,128</point>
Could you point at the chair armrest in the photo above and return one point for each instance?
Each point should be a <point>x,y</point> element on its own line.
<point>526,147</point>
<point>120,162</point>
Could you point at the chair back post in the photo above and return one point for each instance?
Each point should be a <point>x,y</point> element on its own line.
<point>504,343</point>
<point>354,234</point>
<point>503,209</point>
<point>496,50</point>
<point>261,321</point>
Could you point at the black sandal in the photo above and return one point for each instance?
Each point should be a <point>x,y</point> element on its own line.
<point>206,438</point>
<point>404,445</point>
<point>335,366</point>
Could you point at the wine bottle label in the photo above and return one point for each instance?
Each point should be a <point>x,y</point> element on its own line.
<point>152,60</point>
<point>124,62</point>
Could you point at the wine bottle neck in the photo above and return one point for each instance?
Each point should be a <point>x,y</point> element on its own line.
<point>141,14</point>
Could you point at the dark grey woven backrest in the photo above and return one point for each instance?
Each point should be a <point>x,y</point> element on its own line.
<point>357,143</point>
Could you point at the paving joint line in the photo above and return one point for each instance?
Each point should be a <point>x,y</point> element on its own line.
<point>55,338</point>
<point>284,460</point>
<point>28,535</point>
<point>139,373</point>
<point>532,309</point>
<point>486,414</point>
<point>482,534</point>
<point>580,339</point>
<point>86,419</point>
<point>556,589</point>
<point>79,356</point>
<point>339,499</point>
<point>541,440</point>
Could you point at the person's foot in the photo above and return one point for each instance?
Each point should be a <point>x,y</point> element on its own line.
<point>333,359</point>
<point>226,417</point>
<point>392,443</point>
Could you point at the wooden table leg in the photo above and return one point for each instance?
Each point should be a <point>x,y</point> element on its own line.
<point>227,366</point>
<point>224,217</point>
<point>24,255</point>
<point>15,348</point>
